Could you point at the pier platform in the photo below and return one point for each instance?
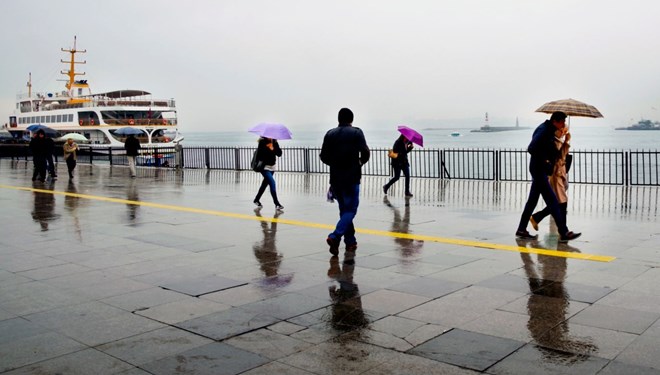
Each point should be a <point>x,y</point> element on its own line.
<point>176,272</point>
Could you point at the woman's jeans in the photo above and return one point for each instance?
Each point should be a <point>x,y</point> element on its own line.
<point>269,180</point>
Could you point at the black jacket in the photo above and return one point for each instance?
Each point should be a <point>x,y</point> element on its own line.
<point>132,145</point>
<point>402,147</point>
<point>38,147</point>
<point>542,149</point>
<point>344,150</point>
<point>267,155</point>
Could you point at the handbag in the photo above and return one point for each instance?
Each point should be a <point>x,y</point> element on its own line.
<point>256,164</point>
<point>568,162</point>
<point>392,154</point>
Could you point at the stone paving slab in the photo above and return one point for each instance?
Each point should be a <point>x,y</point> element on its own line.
<point>202,282</point>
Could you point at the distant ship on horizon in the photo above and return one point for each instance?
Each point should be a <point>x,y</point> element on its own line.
<point>491,129</point>
<point>642,125</point>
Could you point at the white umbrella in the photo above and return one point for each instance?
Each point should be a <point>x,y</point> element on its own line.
<point>75,136</point>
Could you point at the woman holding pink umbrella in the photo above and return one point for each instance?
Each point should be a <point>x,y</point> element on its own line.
<point>399,156</point>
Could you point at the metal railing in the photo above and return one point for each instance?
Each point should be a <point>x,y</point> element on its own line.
<point>588,167</point>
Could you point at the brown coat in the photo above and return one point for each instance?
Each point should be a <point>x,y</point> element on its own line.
<point>559,178</point>
<point>70,149</point>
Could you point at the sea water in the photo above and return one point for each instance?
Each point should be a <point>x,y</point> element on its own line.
<point>584,137</point>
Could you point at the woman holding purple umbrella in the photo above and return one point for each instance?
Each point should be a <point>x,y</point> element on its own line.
<point>267,152</point>
<point>402,146</point>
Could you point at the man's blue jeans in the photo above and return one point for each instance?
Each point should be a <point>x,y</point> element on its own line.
<point>348,198</point>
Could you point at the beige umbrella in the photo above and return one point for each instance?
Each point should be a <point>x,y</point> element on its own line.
<point>571,107</point>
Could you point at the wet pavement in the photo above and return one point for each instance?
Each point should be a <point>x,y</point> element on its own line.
<point>173,272</point>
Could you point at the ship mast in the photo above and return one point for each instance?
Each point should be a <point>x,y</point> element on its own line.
<point>71,84</point>
<point>29,85</point>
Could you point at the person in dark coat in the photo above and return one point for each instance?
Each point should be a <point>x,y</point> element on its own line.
<point>345,150</point>
<point>39,149</point>
<point>50,150</point>
<point>401,148</point>
<point>541,164</point>
<point>268,150</point>
<point>132,147</point>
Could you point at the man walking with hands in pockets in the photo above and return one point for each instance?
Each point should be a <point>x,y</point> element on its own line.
<point>345,150</point>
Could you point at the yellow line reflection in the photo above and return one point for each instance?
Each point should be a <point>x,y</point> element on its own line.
<point>419,237</point>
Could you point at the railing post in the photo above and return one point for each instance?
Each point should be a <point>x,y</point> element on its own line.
<point>306,150</point>
<point>626,169</point>
<point>496,165</point>
<point>237,159</point>
<point>207,157</point>
<point>110,154</point>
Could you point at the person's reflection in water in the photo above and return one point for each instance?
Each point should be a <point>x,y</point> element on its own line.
<point>71,205</point>
<point>132,195</point>
<point>347,312</point>
<point>44,208</point>
<point>407,247</point>
<point>548,307</point>
<point>266,253</point>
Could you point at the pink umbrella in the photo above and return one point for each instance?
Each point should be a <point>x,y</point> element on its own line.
<point>411,134</point>
<point>268,130</point>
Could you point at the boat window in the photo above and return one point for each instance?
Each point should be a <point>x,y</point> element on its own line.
<point>59,118</point>
<point>43,119</point>
<point>70,117</point>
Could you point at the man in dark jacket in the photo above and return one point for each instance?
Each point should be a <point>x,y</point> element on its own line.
<point>541,164</point>
<point>39,149</point>
<point>132,145</point>
<point>345,150</point>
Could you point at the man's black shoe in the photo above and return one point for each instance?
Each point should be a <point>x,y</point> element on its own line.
<point>523,234</point>
<point>569,236</point>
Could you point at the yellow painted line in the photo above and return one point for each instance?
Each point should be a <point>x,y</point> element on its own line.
<point>419,237</point>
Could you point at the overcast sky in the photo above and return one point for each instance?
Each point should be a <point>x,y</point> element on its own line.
<point>232,64</point>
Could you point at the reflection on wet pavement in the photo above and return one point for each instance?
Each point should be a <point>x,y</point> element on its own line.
<point>347,312</point>
<point>407,247</point>
<point>547,307</point>
<point>265,250</point>
<point>44,207</point>
<point>174,271</point>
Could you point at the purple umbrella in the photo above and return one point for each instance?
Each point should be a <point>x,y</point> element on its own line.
<point>273,131</point>
<point>411,134</point>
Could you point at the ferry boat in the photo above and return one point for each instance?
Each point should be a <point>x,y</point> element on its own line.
<point>96,116</point>
<point>642,125</point>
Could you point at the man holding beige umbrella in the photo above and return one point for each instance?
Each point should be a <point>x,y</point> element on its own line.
<point>541,164</point>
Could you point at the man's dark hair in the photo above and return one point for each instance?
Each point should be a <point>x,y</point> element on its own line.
<point>345,116</point>
<point>558,116</point>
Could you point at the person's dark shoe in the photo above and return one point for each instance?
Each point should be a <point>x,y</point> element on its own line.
<point>279,207</point>
<point>525,235</point>
<point>535,224</point>
<point>334,246</point>
<point>409,195</point>
<point>351,247</point>
<point>569,236</point>
<point>385,189</point>
<point>257,203</point>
